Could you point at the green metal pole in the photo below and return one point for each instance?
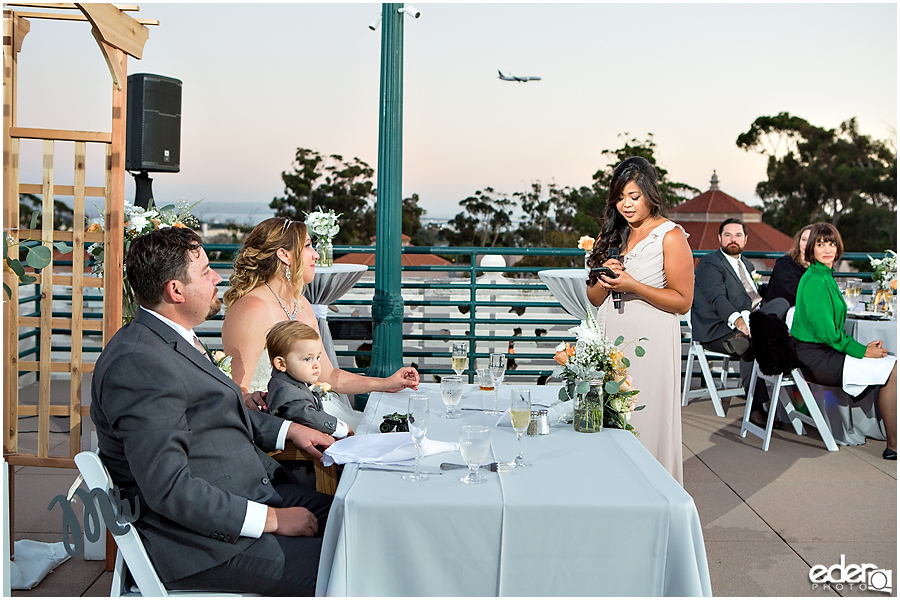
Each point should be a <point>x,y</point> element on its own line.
<point>387,305</point>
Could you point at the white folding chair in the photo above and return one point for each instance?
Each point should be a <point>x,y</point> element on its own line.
<point>713,389</point>
<point>131,549</point>
<point>781,396</point>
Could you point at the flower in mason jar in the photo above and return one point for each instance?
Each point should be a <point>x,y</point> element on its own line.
<point>586,243</point>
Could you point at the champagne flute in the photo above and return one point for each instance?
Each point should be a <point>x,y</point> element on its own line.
<point>520,415</point>
<point>485,384</point>
<point>498,371</point>
<point>474,442</point>
<point>451,392</point>
<point>418,425</point>
<point>459,357</point>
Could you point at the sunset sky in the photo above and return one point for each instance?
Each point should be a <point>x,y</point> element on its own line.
<point>261,80</point>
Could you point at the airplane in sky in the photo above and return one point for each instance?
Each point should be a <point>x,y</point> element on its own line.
<point>512,77</point>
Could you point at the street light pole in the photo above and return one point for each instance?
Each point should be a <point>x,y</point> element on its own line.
<point>387,305</point>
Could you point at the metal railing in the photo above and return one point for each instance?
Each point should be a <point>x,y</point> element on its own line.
<point>496,306</point>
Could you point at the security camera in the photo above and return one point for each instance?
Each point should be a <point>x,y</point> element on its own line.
<point>411,10</point>
<point>375,22</point>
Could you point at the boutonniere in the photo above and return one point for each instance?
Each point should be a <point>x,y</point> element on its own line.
<point>323,390</point>
<point>220,359</point>
<point>757,278</point>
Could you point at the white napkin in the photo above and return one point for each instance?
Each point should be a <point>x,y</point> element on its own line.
<point>562,412</point>
<point>382,448</point>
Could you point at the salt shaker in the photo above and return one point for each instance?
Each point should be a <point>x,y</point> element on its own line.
<point>539,424</point>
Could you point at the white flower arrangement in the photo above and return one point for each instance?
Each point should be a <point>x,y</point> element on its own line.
<point>323,224</point>
<point>885,270</point>
<point>594,357</point>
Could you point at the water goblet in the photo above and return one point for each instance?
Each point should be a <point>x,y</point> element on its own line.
<point>520,415</point>
<point>474,442</point>
<point>459,357</point>
<point>485,383</point>
<point>498,371</point>
<point>451,392</point>
<point>418,425</point>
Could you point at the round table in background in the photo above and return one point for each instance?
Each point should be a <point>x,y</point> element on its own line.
<point>570,288</point>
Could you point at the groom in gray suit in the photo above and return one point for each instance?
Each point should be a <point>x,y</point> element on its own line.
<point>216,512</point>
<point>724,295</point>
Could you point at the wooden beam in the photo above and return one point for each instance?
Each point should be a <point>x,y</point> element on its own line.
<point>61,236</point>
<point>32,365</point>
<point>87,325</point>
<point>90,191</point>
<point>69,5</point>
<point>73,17</point>
<point>114,27</point>
<point>32,460</point>
<point>60,135</point>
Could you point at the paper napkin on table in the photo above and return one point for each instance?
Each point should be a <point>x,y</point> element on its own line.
<point>382,448</point>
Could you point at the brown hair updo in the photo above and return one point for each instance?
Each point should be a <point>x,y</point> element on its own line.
<point>256,261</point>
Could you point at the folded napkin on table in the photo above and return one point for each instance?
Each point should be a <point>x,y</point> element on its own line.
<point>382,448</point>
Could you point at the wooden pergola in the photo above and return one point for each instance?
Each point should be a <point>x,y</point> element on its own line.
<point>118,36</point>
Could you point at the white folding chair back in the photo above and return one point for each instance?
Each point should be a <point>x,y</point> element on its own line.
<point>781,397</point>
<point>131,549</point>
<point>712,389</point>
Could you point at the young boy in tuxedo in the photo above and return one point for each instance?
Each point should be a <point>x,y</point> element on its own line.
<point>294,388</point>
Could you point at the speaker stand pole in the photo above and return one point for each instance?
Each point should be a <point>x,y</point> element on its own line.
<point>143,189</point>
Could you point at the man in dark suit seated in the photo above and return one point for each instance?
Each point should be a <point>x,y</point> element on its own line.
<point>724,295</point>
<point>216,512</point>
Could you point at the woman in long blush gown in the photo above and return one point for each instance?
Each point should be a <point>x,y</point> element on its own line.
<point>655,278</point>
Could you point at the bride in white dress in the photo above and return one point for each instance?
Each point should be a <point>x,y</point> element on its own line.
<point>274,263</point>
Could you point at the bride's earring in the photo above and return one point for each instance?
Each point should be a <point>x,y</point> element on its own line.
<point>287,273</point>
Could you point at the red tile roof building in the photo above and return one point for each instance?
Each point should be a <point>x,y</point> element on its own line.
<point>701,216</point>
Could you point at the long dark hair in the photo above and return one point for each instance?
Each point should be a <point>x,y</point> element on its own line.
<point>614,231</point>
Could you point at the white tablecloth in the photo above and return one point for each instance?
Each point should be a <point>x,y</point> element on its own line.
<point>853,420</point>
<point>596,515</point>
<point>570,288</point>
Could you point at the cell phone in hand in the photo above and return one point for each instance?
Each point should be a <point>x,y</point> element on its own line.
<point>598,271</point>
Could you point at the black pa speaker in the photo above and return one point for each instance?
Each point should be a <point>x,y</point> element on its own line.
<point>153,126</point>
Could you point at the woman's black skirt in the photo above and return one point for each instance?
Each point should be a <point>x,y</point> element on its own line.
<point>820,363</point>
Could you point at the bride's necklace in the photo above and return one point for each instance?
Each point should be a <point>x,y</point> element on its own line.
<point>292,316</point>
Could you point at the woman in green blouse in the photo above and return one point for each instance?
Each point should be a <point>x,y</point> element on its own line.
<point>827,354</point>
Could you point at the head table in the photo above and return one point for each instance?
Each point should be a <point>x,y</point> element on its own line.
<point>595,515</point>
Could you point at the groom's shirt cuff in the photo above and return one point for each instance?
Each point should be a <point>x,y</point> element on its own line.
<point>282,435</point>
<point>255,519</point>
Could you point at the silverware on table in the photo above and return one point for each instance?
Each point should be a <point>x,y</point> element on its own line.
<point>396,469</point>
<point>450,466</point>
<point>478,409</point>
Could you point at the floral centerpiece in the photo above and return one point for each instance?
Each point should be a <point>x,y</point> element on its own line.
<point>586,243</point>
<point>885,276</point>
<point>138,221</point>
<point>324,225</point>
<point>595,371</point>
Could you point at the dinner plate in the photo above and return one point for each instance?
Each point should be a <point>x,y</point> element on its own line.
<point>869,316</point>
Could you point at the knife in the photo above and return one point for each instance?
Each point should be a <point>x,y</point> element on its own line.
<point>450,466</point>
<point>396,469</point>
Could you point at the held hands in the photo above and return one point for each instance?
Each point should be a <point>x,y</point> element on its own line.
<point>622,283</point>
<point>405,377</point>
<point>294,521</point>
<point>875,350</point>
<point>741,326</point>
<point>255,400</point>
<point>309,440</point>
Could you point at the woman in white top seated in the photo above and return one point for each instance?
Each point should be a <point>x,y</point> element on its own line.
<point>274,263</point>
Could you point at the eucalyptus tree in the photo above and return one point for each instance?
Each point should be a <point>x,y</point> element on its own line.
<point>819,174</point>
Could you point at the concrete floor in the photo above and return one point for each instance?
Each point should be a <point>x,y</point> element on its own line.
<point>767,517</point>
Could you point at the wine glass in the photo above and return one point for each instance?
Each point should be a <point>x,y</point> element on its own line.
<point>498,370</point>
<point>451,392</point>
<point>459,357</point>
<point>474,442</point>
<point>485,383</point>
<point>418,425</point>
<point>520,415</point>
